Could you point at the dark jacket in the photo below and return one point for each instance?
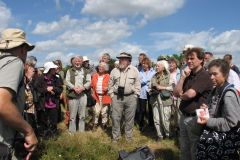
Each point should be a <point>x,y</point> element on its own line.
<point>42,93</point>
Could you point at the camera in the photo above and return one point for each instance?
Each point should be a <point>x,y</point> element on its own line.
<point>120,91</point>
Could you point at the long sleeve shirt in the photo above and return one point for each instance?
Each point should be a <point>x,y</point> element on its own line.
<point>145,78</point>
<point>129,79</point>
<point>229,115</point>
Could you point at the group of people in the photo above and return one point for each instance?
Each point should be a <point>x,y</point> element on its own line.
<point>164,96</point>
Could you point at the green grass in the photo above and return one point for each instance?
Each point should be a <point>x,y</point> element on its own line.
<point>97,146</point>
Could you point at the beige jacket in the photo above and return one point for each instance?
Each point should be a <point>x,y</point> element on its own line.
<point>129,79</point>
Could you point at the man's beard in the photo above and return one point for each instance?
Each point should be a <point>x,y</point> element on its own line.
<point>122,66</point>
<point>77,66</point>
<point>86,65</point>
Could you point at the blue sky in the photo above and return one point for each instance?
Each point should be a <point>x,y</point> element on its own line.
<point>61,29</point>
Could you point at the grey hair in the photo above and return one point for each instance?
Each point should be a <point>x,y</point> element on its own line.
<point>107,55</point>
<point>31,61</point>
<point>80,57</point>
<point>106,66</point>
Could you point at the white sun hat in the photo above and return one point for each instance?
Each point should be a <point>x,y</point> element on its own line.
<point>187,47</point>
<point>85,58</point>
<point>48,66</point>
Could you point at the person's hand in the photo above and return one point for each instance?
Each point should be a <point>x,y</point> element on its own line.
<point>77,90</point>
<point>49,88</point>
<point>202,119</point>
<point>186,72</point>
<point>160,87</point>
<point>105,89</point>
<point>203,115</point>
<point>81,89</point>
<point>30,144</point>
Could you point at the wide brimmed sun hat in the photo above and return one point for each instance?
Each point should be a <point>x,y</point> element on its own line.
<point>13,37</point>
<point>124,55</point>
<point>85,58</point>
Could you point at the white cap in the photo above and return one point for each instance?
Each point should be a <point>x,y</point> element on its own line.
<point>187,47</point>
<point>85,58</point>
<point>48,66</point>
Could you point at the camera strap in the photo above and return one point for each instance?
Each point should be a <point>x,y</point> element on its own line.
<point>124,80</point>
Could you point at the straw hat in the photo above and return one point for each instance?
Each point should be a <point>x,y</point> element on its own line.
<point>13,37</point>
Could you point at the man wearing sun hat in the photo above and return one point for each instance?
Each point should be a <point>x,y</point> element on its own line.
<point>86,64</point>
<point>14,48</point>
<point>124,89</point>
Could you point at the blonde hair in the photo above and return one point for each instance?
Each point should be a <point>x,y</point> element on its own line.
<point>165,64</point>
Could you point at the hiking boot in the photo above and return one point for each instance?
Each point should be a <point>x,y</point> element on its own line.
<point>158,139</point>
<point>129,140</point>
<point>104,127</point>
<point>141,129</point>
<point>94,129</point>
<point>114,141</point>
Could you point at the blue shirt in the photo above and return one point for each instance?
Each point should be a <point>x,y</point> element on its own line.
<point>145,80</point>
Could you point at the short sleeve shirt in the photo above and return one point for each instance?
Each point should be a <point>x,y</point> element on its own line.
<point>201,83</point>
<point>11,76</point>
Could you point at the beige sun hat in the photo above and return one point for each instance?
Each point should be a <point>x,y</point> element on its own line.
<point>13,37</point>
<point>124,55</point>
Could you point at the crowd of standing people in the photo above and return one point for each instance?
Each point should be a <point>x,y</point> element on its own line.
<point>161,96</point>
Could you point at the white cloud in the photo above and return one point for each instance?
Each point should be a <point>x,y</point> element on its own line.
<point>176,41</point>
<point>48,46</point>
<point>29,22</point>
<point>133,49</point>
<point>228,41</point>
<point>81,33</point>
<point>218,43</point>
<point>5,15</point>
<point>97,34</point>
<point>149,9</point>
<point>55,26</point>
<point>65,58</point>
<point>73,2</point>
<point>58,4</point>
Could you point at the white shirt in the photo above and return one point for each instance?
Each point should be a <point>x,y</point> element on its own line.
<point>234,79</point>
<point>99,85</point>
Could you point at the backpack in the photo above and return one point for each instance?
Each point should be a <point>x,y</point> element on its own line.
<point>8,62</point>
<point>227,88</point>
<point>5,150</point>
<point>142,153</point>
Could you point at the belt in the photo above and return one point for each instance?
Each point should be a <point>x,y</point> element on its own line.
<point>189,114</point>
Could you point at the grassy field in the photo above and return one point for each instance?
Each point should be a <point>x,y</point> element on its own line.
<point>97,146</point>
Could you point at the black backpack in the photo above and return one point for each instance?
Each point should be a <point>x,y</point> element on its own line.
<point>142,153</point>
